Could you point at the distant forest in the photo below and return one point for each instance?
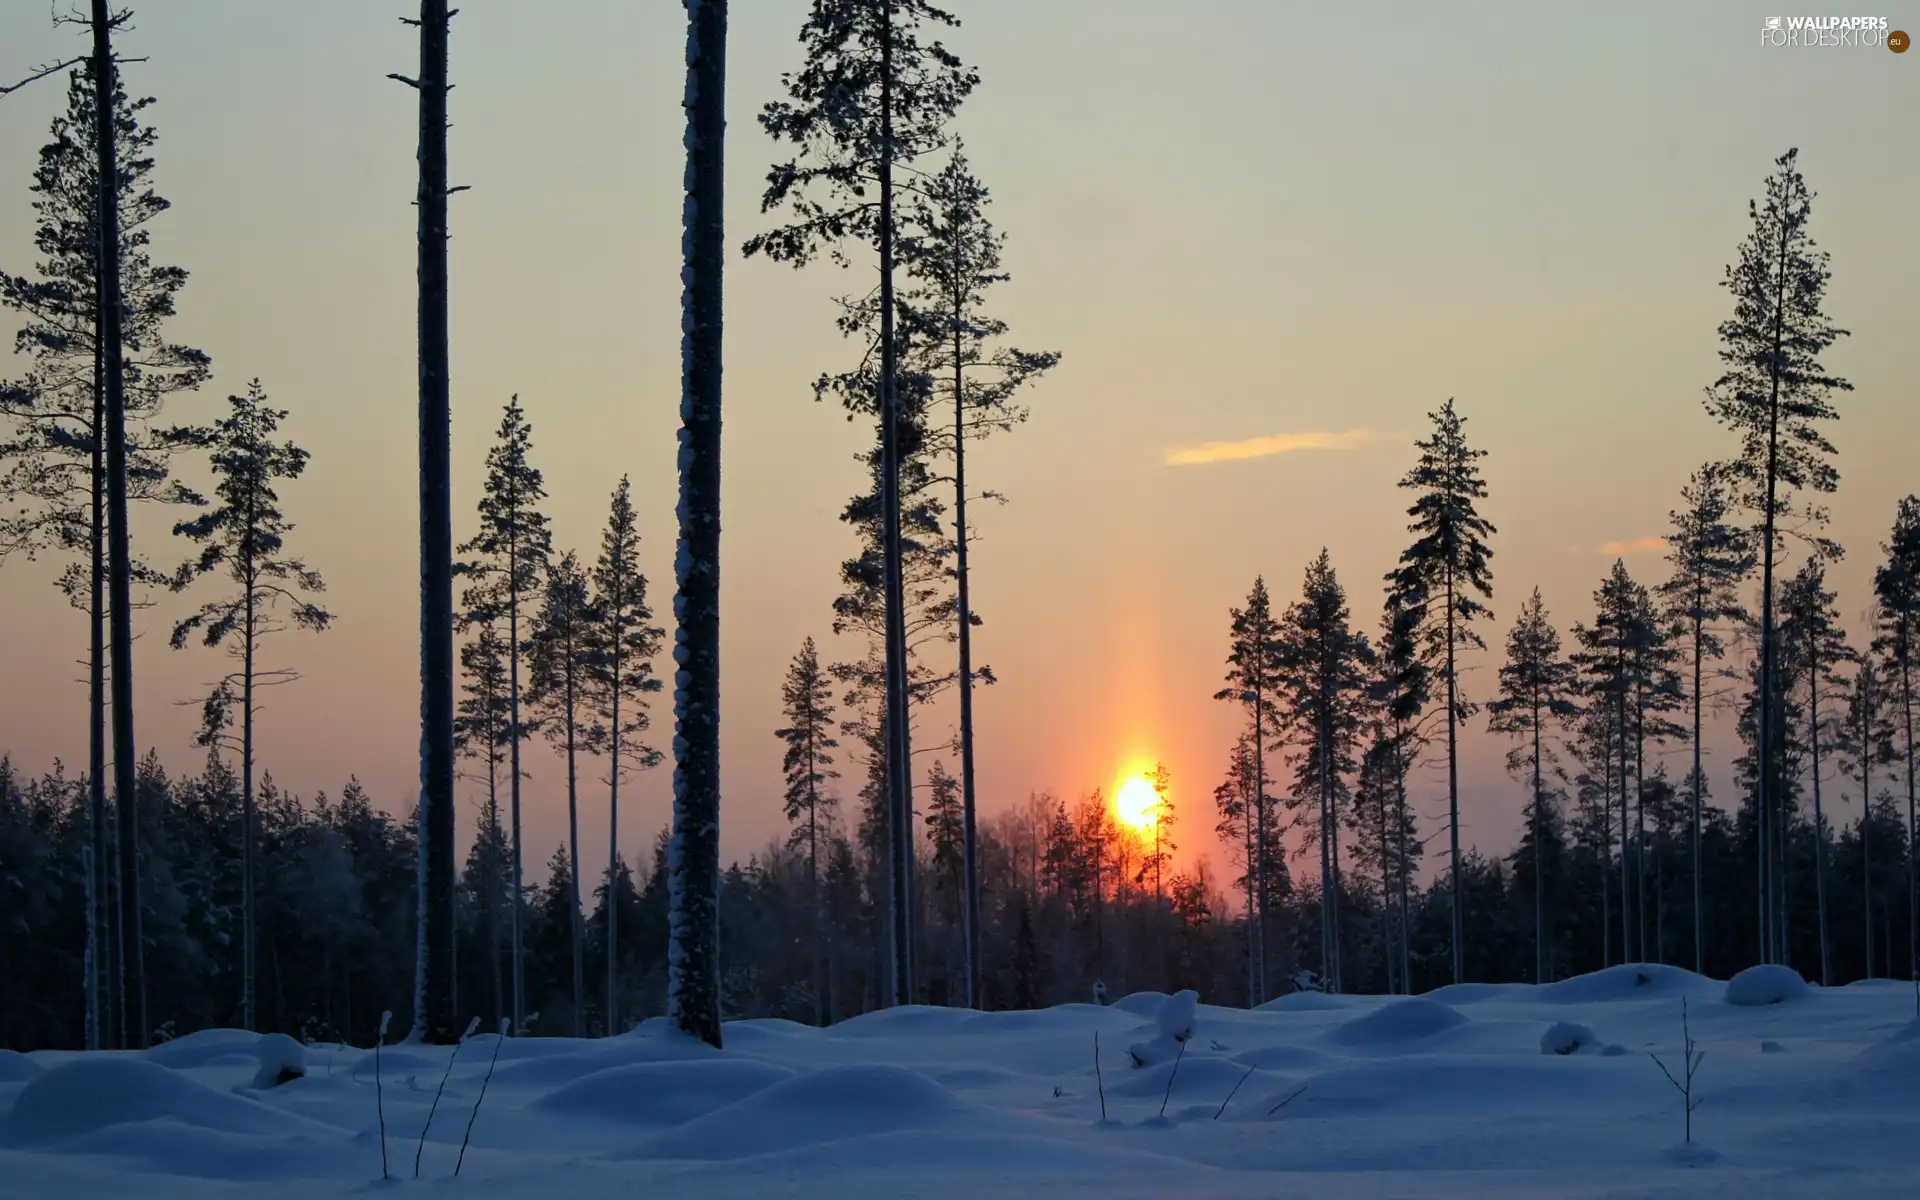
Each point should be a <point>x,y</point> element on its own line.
<point>138,903</point>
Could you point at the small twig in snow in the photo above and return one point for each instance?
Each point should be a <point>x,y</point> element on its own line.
<point>1171,1076</point>
<point>435,1107</point>
<point>1289,1100</point>
<point>504,1023</point>
<point>1230,1095</point>
<point>1097,1077</point>
<point>379,1095</point>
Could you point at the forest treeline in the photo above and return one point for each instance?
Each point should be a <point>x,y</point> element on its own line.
<point>142,905</point>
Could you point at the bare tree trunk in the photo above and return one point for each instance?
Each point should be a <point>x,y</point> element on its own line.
<point>248,923</point>
<point>119,549</point>
<point>1819,819</point>
<point>970,908</point>
<point>433,1016</point>
<point>100,1031</point>
<point>693,862</point>
<point>613,847</point>
<point>1453,794</point>
<point>1539,863</point>
<point>1699,782</point>
<point>899,744</point>
<point>574,921</point>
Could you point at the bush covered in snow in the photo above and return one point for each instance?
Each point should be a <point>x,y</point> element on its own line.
<point>1567,1037</point>
<point>282,1060</point>
<point>1769,983</point>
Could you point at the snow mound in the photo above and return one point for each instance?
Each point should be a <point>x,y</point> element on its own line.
<point>1304,1002</point>
<point>1413,1019</point>
<point>959,1162</point>
<point>282,1060</point>
<point>908,1020</point>
<point>1474,993</point>
<point>16,1067</point>
<point>1769,983</point>
<point>1629,981</point>
<point>88,1095</point>
<point>1076,1018</point>
<point>1140,1004</point>
<point>1176,1016</point>
<point>1567,1037</point>
<point>1772,1048</point>
<point>196,1050</point>
<point>661,1093</point>
<point>1283,1058</point>
<point>828,1105</point>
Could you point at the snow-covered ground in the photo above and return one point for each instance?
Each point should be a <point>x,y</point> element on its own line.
<point>1481,1091</point>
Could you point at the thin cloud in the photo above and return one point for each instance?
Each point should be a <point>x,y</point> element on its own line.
<point>1264,447</point>
<point>1627,549</point>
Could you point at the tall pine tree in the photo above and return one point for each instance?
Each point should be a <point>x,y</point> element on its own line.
<point>559,658</point>
<point>1325,677</point>
<point>1537,686</point>
<point>1447,568</point>
<point>1896,584</point>
<point>1710,559</point>
<point>806,700</point>
<point>1253,681</point>
<point>509,555</point>
<point>624,643</point>
<point>243,540</point>
<point>1774,396</point>
<point>872,98</point>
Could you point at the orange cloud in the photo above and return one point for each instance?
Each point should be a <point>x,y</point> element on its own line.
<point>1263,447</point>
<point>1627,549</point>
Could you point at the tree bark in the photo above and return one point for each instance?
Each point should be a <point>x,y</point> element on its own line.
<point>899,743</point>
<point>135,1025</point>
<point>434,1018</point>
<point>693,861</point>
<point>970,882</point>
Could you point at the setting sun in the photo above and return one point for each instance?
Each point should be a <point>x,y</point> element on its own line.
<point>1137,804</point>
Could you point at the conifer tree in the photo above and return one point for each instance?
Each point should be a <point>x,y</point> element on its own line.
<point>1896,585</point>
<point>1773,396</point>
<point>624,643</point>
<point>1867,744</point>
<point>1240,806</point>
<point>953,253</point>
<point>871,99</point>
<point>1444,576</point>
<point>54,454</point>
<point>1385,840</point>
<point>1324,676</point>
<point>509,556</point>
<point>1606,662</point>
<point>480,726</point>
<point>1401,694</point>
<point>1810,625</point>
<point>693,866</point>
<point>560,653</point>
<point>1253,680</point>
<point>807,704</point>
<point>243,539</point>
<point>1710,559</point>
<point>1656,692</point>
<point>1156,860</point>
<point>1536,688</point>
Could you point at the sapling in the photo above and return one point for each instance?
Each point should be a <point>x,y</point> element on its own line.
<point>475,1115</point>
<point>1684,1084</point>
<point>379,1097</point>
<point>435,1106</point>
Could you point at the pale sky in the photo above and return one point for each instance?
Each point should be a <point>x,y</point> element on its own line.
<point>1237,219</point>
